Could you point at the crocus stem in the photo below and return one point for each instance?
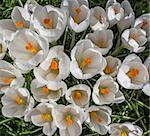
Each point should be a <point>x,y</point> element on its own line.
<point>115,52</point>
<point>6,120</point>
<point>73,40</point>
<point>65,36</point>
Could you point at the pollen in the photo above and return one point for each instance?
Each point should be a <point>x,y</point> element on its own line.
<point>94,115</point>
<point>123,133</point>
<point>108,69</point>
<point>48,23</point>
<point>133,73</point>
<point>85,62</point>
<point>69,120</point>
<point>104,91</point>
<point>19,100</point>
<point>30,48</point>
<point>78,95</point>
<point>45,90</point>
<point>54,64</point>
<point>7,80</point>
<point>19,24</point>
<point>46,117</point>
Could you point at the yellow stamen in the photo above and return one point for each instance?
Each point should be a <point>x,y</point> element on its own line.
<point>69,120</point>
<point>30,48</point>
<point>7,80</point>
<point>54,64</point>
<point>85,62</point>
<point>78,95</point>
<point>76,17</point>
<point>104,91</point>
<point>133,73</point>
<point>19,24</point>
<point>1,48</point>
<point>108,69</point>
<point>123,133</point>
<point>102,43</point>
<point>94,115</point>
<point>45,90</point>
<point>46,117</point>
<point>19,100</point>
<point>48,23</point>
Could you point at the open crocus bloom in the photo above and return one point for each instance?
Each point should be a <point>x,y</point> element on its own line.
<point>112,67</point>
<point>49,22</point>
<point>98,117</point>
<point>98,19</point>
<point>42,116</point>
<point>106,91</point>
<point>102,39</point>
<point>16,102</point>
<point>51,92</point>
<point>79,95</point>
<point>55,67</point>
<point>114,12</point>
<point>29,51</point>
<point>132,73</point>
<point>3,48</point>
<point>134,39</point>
<point>68,119</point>
<point>125,129</point>
<point>9,76</point>
<point>143,22</point>
<point>87,60</point>
<point>129,16</point>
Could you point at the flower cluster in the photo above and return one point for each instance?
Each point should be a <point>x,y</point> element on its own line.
<point>26,37</point>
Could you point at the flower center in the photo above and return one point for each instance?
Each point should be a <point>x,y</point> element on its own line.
<point>69,120</point>
<point>19,100</point>
<point>30,48</point>
<point>104,91</point>
<point>45,90</point>
<point>116,9</point>
<point>19,24</point>
<point>78,95</point>
<point>7,80</point>
<point>48,23</point>
<point>144,24</point>
<point>76,17</point>
<point>54,64</point>
<point>101,19</point>
<point>134,35</point>
<point>94,115</point>
<point>108,69</point>
<point>46,117</point>
<point>85,62</point>
<point>133,73</point>
<point>123,133</point>
<point>101,43</point>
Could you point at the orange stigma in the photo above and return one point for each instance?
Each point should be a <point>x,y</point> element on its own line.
<point>19,24</point>
<point>104,91</point>
<point>94,115</point>
<point>76,17</point>
<point>46,117</point>
<point>108,70</point>
<point>7,80</point>
<point>54,64</point>
<point>19,100</point>
<point>30,48</point>
<point>133,73</point>
<point>85,62</point>
<point>78,10</point>
<point>78,95</point>
<point>45,90</point>
<point>48,23</point>
<point>69,120</point>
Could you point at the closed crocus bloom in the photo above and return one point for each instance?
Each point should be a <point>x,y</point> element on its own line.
<point>55,67</point>
<point>143,22</point>
<point>51,92</point>
<point>3,48</point>
<point>102,39</point>
<point>125,129</point>
<point>68,119</point>
<point>49,22</point>
<point>106,91</point>
<point>42,116</point>
<point>9,76</point>
<point>29,51</point>
<point>79,95</point>
<point>114,12</point>
<point>16,102</point>
<point>132,73</point>
<point>87,60</point>
<point>98,19</point>
<point>112,67</point>
<point>98,118</point>
<point>134,39</point>
<point>129,16</point>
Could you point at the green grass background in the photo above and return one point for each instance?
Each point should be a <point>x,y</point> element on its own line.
<point>136,107</point>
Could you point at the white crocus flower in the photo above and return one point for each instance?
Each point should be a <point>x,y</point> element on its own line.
<point>87,60</point>
<point>114,12</point>
<point>106,91</point>
<point>102,39</point>
<point>112,67</point>
<point>51,92</point>
<point>68,119</point>
<point>16,102</point>
<point>129,16</point>
<point>3,48</point>
<point>28,49</point>
<point>49,22</point>
<point>125,129</point>
<point>98,19</point>
<point>55,67</point>
<point>134,39</point>
<point>98,118</point>
<point>42,116</point>
<point>9,76</point>
<point>143,22</point>
<point>132,73</point>
<point>79,95</point>
<point>146,88</point>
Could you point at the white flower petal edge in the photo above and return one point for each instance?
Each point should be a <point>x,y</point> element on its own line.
<point>3,47</point>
